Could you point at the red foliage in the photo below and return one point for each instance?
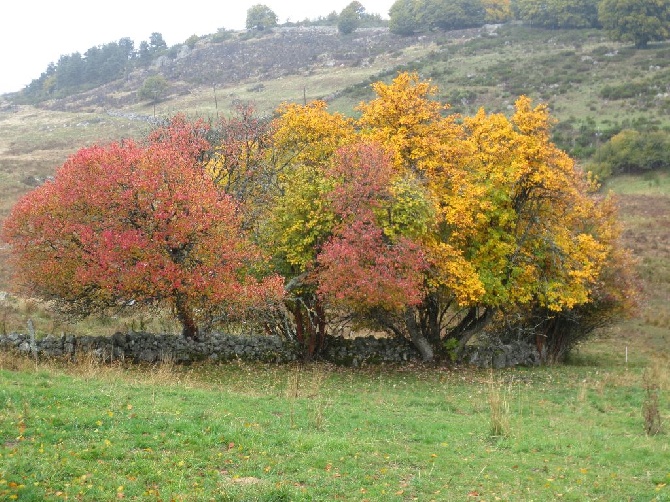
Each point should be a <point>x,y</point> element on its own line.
<point>360,267</point>
<point>363,172</point>
<point>125,222</point>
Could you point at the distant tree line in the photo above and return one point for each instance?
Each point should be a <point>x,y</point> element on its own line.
<point>99,65</point>
<point>352,17</point>
<point>636,21</point>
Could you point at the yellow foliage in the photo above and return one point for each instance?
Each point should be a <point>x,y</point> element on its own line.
<point>409,124</point>
<point>302,219</point>
<point>309,134</point>
<point>505,217</point>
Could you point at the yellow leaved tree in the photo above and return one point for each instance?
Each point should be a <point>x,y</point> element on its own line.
<point>510,237</point>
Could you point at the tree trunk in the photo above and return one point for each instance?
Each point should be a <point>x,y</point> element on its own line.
<point>299,324</point>
<point>310,327</point>
<point>472,323</point>
<point>433,314</point>
<point>419,341</point>
<point>186,318</point>
<point>320,322</point>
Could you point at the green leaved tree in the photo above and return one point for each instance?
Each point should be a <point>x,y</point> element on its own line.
<point>637,21</point>
<point>261,17</point>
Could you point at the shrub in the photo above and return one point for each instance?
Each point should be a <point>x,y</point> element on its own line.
<point>631,151</point>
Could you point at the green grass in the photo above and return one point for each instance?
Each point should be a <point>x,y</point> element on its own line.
<point>253,432</point>
<point>654,183</point>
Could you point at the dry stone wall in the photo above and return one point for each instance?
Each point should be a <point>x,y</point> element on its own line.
<point>218,347</point>
<point>152,348</point>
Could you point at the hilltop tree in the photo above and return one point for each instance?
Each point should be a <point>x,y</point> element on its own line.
<point>350,18</point>
<point>637,21</point>
<point>261,17</point>
<point>558,13</point>
<point>156,42</point>
<point>409,16</point>
<point>403,18</point>
<point>74,73</point>
<point>192,41</point>
<point>126,223</point>
<point>450,14</point>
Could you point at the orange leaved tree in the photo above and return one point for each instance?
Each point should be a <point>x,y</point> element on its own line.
<point>138,224</point>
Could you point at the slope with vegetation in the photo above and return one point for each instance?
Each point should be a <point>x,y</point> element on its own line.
<point>432,228</point>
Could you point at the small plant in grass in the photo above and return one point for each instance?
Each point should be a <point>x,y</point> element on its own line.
<point>305,383</point>
<point>499,409</point>
<point>650,408</point>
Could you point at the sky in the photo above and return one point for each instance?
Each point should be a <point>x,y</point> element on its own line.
<point>35,33</point>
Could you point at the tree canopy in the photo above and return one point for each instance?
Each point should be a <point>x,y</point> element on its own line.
<point>637,21</point>
<point>409,219</point>
<point>408,16</point>
<point>496,221</point>
<point>153,89</point>
<point>558,13</point>
<point>402,17</point>
<point>261,17</point>
<point>138,224</point>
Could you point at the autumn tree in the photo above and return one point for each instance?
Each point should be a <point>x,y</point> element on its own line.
<point>305,139</point>
<point>481,221</point>
<point>540,237</point>
<point>371,266</point>
<point>637,21</point>
<point>241,163</point>
<point>143,224</point>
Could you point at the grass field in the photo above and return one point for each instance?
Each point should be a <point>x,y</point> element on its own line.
<point>253,432</point>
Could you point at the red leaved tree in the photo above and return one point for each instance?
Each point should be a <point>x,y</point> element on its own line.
<point>128,224</point>
<point>368,267</point>
<point>362,266</point>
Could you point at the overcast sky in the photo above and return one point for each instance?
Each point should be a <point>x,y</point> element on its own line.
<point>34,33</point>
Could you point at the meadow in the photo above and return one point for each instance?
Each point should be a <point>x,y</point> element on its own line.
<point>253,432</point>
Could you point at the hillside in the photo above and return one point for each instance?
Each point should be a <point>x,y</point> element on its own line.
<point>593,86</point>
<point>250,59</point>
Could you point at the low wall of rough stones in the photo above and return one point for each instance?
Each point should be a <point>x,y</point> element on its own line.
<point>152,348</point>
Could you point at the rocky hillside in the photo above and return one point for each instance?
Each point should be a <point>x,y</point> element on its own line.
<point>243,58</point>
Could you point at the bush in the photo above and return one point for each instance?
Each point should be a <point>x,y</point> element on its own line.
<point>632,152</point>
